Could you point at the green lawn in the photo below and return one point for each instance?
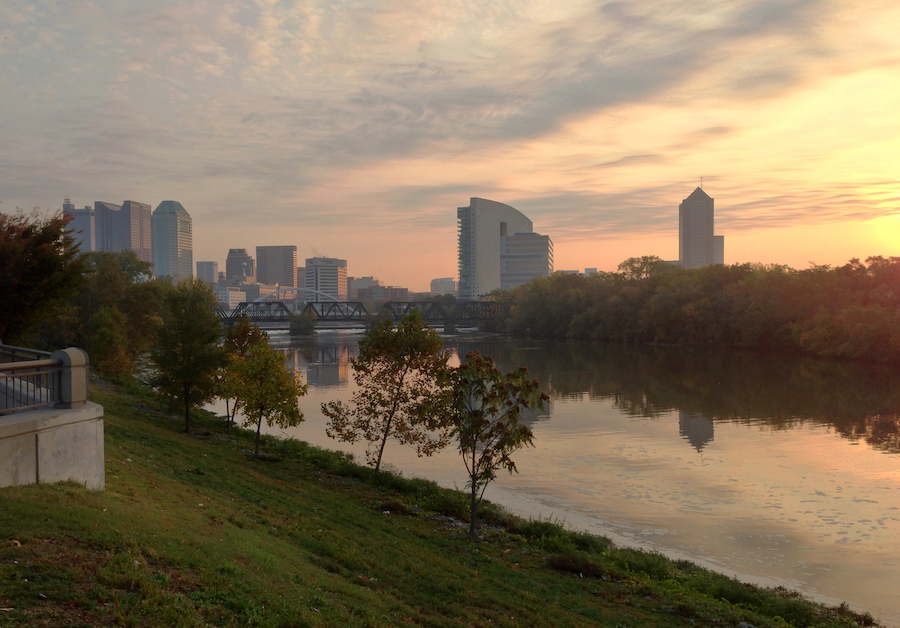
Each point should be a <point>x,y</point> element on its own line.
<point>193,531</point>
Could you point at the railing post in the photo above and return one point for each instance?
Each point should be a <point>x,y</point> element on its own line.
<point>72,377</point>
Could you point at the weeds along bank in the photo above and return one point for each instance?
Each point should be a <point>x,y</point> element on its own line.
<point>193,530</point>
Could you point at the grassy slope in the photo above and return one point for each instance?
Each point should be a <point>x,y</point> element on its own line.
<point>191,531</point>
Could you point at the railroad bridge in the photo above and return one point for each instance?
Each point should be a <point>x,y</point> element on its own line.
<point>355,311</point>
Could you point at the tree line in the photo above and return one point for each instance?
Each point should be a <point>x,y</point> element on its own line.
<point>109,304</point>
<point>849,311</point>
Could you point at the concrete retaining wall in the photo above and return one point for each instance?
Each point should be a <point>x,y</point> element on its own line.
<point>52,445</point>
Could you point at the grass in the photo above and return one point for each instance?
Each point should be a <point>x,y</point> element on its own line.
<point>193,531</point>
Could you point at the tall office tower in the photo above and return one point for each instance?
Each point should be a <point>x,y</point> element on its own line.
<point>479,228</point>
<point>208,272</point>
<point>83,226</point>
<point>328,275</point>
<point>697,246</point>
<point>115,228</point>
<point>135,232</point>
<point>239,267</point>
<point>109,225</point>
<point>172,239</point>
<point>523,257</point>
<point>277,265</point>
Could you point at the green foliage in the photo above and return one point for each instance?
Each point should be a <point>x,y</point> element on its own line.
<point>397,374</point>
<point>108,331</point>
<point>485,417</point>
<point>188,353</point>
<point>40,269</point>
<point>850,311</point>
<point>302,325</point>
<point>189,533</point>
<point>267,389</point>
<point>239,337</point>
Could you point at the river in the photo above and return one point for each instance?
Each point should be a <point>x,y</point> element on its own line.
<point>776,469</point>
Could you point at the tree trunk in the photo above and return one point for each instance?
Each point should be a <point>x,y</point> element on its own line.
<point>473,508</point>
<point>258,428</point>
<point>187,409</point>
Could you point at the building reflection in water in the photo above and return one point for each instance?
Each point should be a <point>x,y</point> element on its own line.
<point>695,428</point>
<point>329,365</point>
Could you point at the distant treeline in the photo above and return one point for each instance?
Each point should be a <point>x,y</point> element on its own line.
<point>848,311</point>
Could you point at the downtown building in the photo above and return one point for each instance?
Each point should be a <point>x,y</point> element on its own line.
<point>523,257</point>
<point>112,228</point>
<point>173,253</point>
<point>239,267</point>
<point>277,265</point>
<point>327,275</point>
<point>697,246</point>
<point>208,272</point>
<point>484,229</point>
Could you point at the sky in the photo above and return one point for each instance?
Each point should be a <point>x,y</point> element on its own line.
<point>354,129</point>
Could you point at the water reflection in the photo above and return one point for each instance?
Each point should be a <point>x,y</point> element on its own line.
<point>763,466</point>
<point>861,402</point>
<point>695,428</point>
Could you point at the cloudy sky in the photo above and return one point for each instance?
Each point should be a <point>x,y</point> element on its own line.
<point>355,129</point>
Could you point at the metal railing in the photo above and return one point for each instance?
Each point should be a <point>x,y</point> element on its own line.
<point>28,379</point>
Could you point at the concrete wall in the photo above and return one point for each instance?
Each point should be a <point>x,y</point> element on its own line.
<point>52,445</point>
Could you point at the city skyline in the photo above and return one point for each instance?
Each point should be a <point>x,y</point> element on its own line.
<point>350,131</point>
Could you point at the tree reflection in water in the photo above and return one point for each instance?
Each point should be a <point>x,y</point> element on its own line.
<point>859,401</point>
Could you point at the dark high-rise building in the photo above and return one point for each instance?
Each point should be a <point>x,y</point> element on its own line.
<point>277,265</point>
<point>239,267</point>
<point>111,227</point>
<point>697,246</point>
<point>208,272</point>
<point>83,226</point>
<point>135,230</point>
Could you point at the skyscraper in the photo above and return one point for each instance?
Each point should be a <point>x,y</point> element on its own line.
<point>277,265</point>
<point>697,246</point>
<point>83,226</point>
<point>135,232</point>
<point>239,267</point>
<point>328,275</point>
<point>523,257</point>
<point>208,272</point>
<point>172,238</point>
<point>111,227</point>
<point>480,227</point>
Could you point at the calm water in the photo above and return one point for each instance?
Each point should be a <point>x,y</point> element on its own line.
<point>775,469</point>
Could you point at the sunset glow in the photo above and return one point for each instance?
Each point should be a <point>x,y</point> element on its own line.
<point>355,129</point>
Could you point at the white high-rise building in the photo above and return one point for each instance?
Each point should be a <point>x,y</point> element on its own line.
<point>697,246</point>
<point>523,257</point>
<point>327,275</point>
<point>481,226</point>
<point>173,253</point>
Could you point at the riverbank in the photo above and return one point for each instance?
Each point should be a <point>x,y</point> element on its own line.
<point>193,531</point>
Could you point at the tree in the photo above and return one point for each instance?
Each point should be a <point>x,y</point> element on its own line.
<point>269,391</point>
<point>302,324</point>
<point>238,339</point>
<point>188,352</point>
<point>40,269</point>
<point>485,418</point>
<point>637,268</point>
<point>398,375</point>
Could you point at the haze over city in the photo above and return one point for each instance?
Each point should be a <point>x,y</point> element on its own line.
<point>355,130</point>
